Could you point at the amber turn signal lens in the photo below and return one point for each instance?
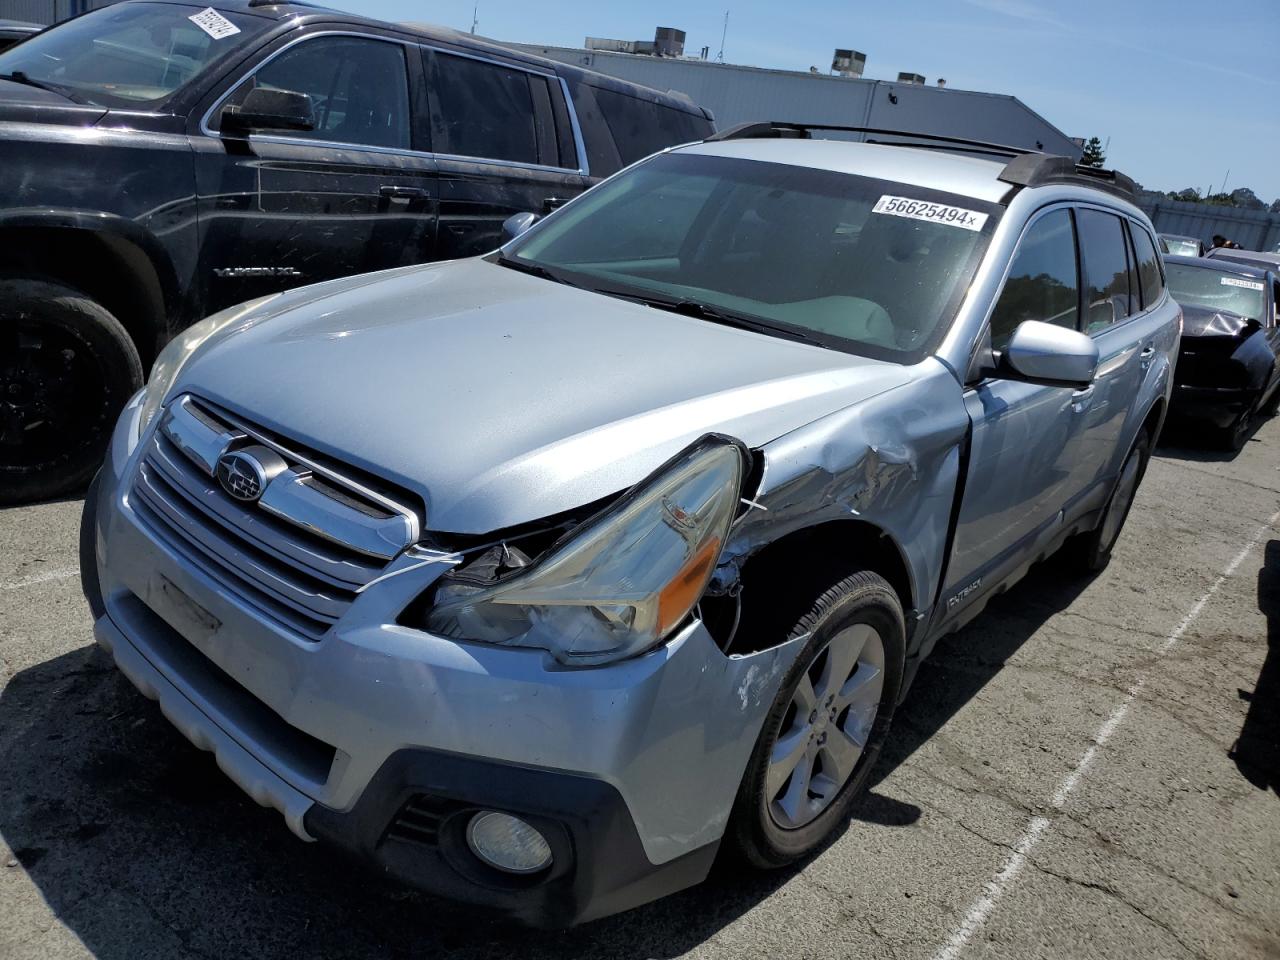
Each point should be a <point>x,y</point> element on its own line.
<point>678,597</point>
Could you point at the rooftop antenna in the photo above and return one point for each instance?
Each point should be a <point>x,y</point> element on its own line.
<point>475,18</point>
<point>724,33</point>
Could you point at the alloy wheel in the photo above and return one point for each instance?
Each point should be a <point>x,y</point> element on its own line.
<point>826,726</point>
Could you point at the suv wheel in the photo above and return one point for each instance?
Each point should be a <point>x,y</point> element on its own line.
<point>1092,551</point>
<point>827,725</point>
<point>67,367</point>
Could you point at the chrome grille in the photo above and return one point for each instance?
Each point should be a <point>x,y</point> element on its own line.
<point>299,553</point>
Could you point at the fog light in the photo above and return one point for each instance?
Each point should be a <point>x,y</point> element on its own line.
<point>507,843</point>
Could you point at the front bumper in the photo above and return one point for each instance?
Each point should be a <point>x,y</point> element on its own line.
<point>1217,406</point>
<point>632,766</point>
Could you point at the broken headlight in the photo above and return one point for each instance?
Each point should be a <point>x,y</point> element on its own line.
<point>621,582</point>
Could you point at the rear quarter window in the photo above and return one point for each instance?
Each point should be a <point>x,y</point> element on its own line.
<point>641,127</point>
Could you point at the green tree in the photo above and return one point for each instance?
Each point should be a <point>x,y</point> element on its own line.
<point>1093,155</point>
<point>1187,193</point>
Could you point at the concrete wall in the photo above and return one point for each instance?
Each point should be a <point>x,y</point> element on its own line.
<point>737,94</point>
<point>1252,229</point>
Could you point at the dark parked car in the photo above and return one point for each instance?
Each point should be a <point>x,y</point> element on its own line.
<point>162,161</point>
<point>1227,372</point>
<point>1180,246</point>
<point>15,31</point>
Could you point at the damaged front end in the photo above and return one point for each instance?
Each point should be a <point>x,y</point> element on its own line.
<point>1224,363</point>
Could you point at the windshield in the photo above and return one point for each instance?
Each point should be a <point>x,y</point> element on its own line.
<point>1203,287</point>
<point>868,266</point>
<point>134,54</point>
<point>1180,248</point>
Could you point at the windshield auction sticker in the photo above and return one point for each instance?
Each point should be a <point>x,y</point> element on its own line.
<point>1247,284</point>
<point>214,24</point>
<point>930,212</point>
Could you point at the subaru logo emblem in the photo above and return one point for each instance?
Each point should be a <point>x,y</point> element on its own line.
<point>241,475</point>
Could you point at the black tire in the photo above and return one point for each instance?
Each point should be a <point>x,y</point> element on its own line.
<point>67,367</point>
<point>753,833</point>
<point>1091,552</point>
<point>1233,437</point>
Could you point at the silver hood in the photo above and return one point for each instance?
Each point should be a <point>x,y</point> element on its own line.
<point>503,398</point>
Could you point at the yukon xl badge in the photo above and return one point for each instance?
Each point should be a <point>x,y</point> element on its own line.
<point>959,597</point>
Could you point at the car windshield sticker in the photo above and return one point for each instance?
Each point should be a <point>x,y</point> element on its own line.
<point>214,24</point>
<point>1247,284</point>
<point>930,212</point>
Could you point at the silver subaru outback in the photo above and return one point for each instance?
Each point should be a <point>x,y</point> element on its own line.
<point>540,579</point>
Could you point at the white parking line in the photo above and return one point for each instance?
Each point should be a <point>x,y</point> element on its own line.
<point>41,578</point>
<point>1038,827</point>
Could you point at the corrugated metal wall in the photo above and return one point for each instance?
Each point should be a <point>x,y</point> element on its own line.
<point>1252,229</point>
<point>737,94</point>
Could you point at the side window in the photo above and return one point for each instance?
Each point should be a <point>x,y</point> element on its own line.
<point>485,110</point>
<point>641,127</point>
<point>359,89</point>
<point>1042,282</point>
<point>1275,302</point>
<point>1106,268</point>
<point>1148,266</point>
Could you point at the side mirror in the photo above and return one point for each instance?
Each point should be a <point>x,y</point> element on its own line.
<point>517,224</point>
<point>1049,355</point>
<point>265,109</point>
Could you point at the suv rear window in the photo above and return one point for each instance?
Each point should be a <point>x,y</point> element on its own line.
<point>1106,267</point>
<point>130,55</point>
<point>492,112</point>
<point>641,127</point>
<point>1148,266</point>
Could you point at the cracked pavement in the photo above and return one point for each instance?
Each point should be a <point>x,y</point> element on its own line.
<point>120,840</point>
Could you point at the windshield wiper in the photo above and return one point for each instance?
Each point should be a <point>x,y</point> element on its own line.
<point>703,311</point>
<point>18,76</point>
<point>533,269</point>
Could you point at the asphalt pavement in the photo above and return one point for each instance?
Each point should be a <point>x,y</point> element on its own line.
<point>1090,769</point>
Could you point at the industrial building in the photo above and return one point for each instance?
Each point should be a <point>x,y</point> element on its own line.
<point>46,11</point>
<point>737,94</point>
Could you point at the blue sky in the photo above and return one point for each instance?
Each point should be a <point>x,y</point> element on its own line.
<point>1185,89</point>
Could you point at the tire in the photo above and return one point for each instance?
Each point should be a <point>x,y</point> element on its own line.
<point>851,614</point>
<point>67,367</point>
<point>1233,437</point>
<point>1091,552</point>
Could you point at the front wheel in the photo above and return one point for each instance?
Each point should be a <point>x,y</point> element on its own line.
<point>67,367</point>
<point>1092,551</point>
<point>831,717</point>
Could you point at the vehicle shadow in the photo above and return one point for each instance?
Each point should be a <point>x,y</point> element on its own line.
<point>966,661</point>
<point>1257,751</point>
<point>142,848</point>
<point>1188,440</point>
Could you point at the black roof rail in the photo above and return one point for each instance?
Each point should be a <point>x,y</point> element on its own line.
<point>785,129</point>
<point>1034,170</point>
<point>1026,167</point>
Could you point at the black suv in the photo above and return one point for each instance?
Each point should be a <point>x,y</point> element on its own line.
<point>162,161</point>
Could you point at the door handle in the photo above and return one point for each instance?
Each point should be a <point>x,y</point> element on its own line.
<point>551,203</point>
<point>1080,398</point>
<point>393,192</point>
<point>1148,352</point>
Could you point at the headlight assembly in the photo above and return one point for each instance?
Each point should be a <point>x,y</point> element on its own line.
<point>172,358</point>
<point>621,582</point>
